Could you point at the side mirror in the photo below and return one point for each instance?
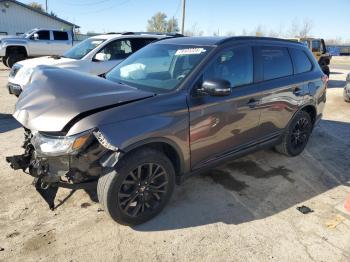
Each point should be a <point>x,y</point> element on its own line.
<point>217,87</point>
<point>348,78</point>
<point>101,57</point>
<point>36,36</point>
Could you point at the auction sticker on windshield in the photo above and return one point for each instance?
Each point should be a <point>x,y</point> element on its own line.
<point>190,51</point>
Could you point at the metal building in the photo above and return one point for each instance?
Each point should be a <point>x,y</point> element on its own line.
<point>17,18</point>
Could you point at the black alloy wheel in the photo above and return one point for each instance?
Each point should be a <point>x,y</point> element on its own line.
<point>296,137</point>
<point>143,189</point>
<point>300,134</point>
<point>138,187</point>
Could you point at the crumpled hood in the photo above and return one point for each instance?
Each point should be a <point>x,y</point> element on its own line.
<point>46,60</point>
<point>57,97</point>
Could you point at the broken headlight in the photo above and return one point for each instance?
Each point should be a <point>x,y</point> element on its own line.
<point>59,145</point>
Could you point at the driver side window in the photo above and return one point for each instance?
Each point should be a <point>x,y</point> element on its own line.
<point>115,50</point>
<point>234,65</point>
<point>42,35</point>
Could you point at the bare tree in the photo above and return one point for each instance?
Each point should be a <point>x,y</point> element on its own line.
<point>294,28</point>
<point>305,28</point>
<point>36,6</point>
<point>159,23</point>
<point>273,34</point>
<point>259,31</point>
<point>172,25</point>
<point>194,31</point>
<point>230,33</point>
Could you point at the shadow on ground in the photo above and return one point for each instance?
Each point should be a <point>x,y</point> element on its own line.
<point>7,123</point>
<point>336,73</point>
<point>259,185</point>
<point>336,83</point>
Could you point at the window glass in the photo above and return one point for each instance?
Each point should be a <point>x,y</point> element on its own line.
<point>57,35</point>
<point>235,66</point>
<point>139,43</point>
<point>276,62</point>
<point>83,48</point>
<point>44,35</point>
<point>158,68</point>
<point>316,45</point>
<point>301,61</point>
<point>119,49</point>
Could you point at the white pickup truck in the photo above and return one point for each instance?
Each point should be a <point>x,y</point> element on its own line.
<point>36,42</point>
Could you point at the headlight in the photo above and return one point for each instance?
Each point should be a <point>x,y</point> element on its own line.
<point>24,75</point>
<point>59,145</point>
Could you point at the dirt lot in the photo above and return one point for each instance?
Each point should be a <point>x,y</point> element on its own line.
<point>242,211</point>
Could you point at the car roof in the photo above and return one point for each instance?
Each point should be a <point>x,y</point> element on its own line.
<point>120,36</point>
<point>218,40</point>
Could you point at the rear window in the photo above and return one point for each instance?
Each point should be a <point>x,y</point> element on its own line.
<point>301,62</point>
<point>276,62</point>
<point>57,35</point>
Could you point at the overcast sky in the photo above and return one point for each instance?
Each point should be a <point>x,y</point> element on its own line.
<point>330,19</point>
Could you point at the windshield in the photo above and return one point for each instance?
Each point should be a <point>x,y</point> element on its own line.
<point>83,48</point>
<point>158,68</point>
<point>28,33</point>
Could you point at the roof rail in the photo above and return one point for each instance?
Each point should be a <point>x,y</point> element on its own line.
<point>147,33</point>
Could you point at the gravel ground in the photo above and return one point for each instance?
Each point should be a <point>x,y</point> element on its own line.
<point>242,211</point>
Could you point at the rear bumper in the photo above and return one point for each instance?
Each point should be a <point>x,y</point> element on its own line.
<point>14,89</point>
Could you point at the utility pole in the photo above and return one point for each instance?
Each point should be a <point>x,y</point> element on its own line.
<point>183,16</point>
<point>46,5</point>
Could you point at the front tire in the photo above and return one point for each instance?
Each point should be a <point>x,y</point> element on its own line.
<point>138,187</point>
<point>13,59</point>
<point>295,139</point>
<point>4,61</point>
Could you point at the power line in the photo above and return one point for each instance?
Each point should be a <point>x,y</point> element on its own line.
<point>86,3</point>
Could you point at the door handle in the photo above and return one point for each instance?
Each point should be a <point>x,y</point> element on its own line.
<point>252,102</point>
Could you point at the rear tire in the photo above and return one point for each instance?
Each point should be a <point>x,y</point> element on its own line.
<point>326,71</point>
<point>295,139</point>
<point>138,187</point>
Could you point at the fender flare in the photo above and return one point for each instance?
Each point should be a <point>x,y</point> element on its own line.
<point>169,142</point>
<point>16,45</point>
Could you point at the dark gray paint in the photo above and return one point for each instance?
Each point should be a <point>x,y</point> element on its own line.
<point>202,129</point>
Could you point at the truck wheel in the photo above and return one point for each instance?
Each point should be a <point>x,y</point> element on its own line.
<point>326,70</point>
<point>4,61</point>
<point>138,187</point>
<point>295,139</point>
<point>13,59</point>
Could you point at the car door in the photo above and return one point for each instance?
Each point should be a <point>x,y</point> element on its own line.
<point>60,42</point>
<point>40,43</point>
<point>110,55</point>
<point>220,126</point>
<point>281,92</point>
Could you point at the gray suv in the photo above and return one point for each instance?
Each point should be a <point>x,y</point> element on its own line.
<point>174,108</point>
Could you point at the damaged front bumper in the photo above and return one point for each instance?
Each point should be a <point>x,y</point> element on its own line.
<point>80,170</point>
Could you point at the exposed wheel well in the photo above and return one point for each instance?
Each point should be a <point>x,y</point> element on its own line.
<point>16,50</point>
<point>311,111</point>
<point>167,149</point>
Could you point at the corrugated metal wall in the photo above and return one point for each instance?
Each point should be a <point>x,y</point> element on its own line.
<point>16,19</point>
